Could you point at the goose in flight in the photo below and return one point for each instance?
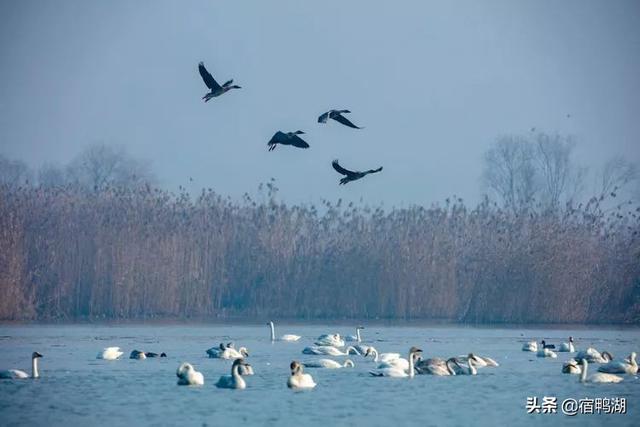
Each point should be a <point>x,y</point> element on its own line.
<point>328,364</point>
<point>627,366</point>
<point>285,337</point>
<point>212,84</point>
<point>337,115</point>
<point>17,374</point>
<point>187,375</point>
<point>298,379</point>
<point>598,377</point>
<point>110,353</point>
<point>351,175</point>
<point>289,138</point>
<point>235,380</point>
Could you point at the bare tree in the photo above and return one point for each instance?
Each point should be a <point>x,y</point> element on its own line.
<point>50,175</point>
<point>618,174</point>
<point>510,172</point>
<point>101,166</point>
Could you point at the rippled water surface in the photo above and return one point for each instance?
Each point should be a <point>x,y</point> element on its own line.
<point>77,389</point>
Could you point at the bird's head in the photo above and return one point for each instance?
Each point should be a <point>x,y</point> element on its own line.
<point>35,355</point>
<point>298,132</point>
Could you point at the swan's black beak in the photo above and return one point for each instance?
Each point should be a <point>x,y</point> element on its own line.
<point>36,354</point>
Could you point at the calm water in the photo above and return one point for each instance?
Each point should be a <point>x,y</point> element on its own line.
<point>77,389</point>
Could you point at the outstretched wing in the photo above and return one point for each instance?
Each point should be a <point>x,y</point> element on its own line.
<point>296,141</point>
<point>277,138</point>
<point>342,119</point>
<point>324,117</point>
<point>208,78</point>
<point>340,169</point>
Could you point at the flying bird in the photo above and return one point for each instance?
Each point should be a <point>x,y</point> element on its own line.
<point>337,115</point>
<point>351,175</point>
<point>216,89</point>
<point>289,138</point>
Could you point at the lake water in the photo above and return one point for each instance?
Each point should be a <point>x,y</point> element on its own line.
<point>77,389</point>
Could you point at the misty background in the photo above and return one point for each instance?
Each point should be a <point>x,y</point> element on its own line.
<point>435,84</point>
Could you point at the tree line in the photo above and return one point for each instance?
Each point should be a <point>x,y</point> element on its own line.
<point>109,250</point>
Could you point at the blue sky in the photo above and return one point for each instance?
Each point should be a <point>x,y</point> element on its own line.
<point>433,83</point>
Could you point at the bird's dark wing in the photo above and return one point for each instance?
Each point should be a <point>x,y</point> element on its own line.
<point>296,141</point>
<point>278,138</point>
<point>342,119</point>
<point>208,78</point>
<point>374,170</point>
<point>340,169</point>
<point>324,117</point>
<point>227,83</point>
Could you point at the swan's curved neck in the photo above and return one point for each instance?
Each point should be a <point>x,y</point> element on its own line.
<point>411,368</point>
<point>358,334</point>
<point>34,368</point>
<point>449,368</point>
<point>632,359</point>
<point>375,354</point>
<point>583,374</point>
<point>349,350</point>
<point>273,331</point>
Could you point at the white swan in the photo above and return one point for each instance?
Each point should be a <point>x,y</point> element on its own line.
<point>546,352</point>
<point>329,350</point>
<point>298,379</point>
<point>436,366</point>
<point>598,377</point>
<point>330,339</point>
<point>531,346</point>
<point>234,380</point>
<point>110,353</point>
<point>16,374</point>
<point>356,337</point>
<point>187,375</point>
<point>627,366</point>
<point>382,357</point>
<point>571,366</point>
<point>592,355</point>
<point>227,352</point>
<point>328,364</point>
<point>285,337</point>
<point>567,347</point>
<point>390,370</point>
<point>479,361</point>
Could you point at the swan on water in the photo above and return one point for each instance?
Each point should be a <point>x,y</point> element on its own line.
<point>627,366</point>
<point>17,374</point>
<point>549,346</point>
<point>187,375</point>
<point>298,379</point>
<point>328,350</point>
<point>598,377</point>
<point>436,366</point>
<point>330,339</point>
<point>137,354</point>
<point>356,337</point>
<point>152,354</point>
<point>234,380</point>
<point>227,352</point>
<point>110,353</point>
<point>285,337</point>
<point>479,361</point>
<point>465,367</point>
<point>531,346</point>
<point>389,370</point>
<point>328,364</point>
<point>382,357</point>
<point>571,366</point>
<point>592,355</point>
<point>567,347</point>
<point>546,352</point>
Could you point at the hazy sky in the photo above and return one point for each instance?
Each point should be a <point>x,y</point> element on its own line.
<point>433,82</point>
